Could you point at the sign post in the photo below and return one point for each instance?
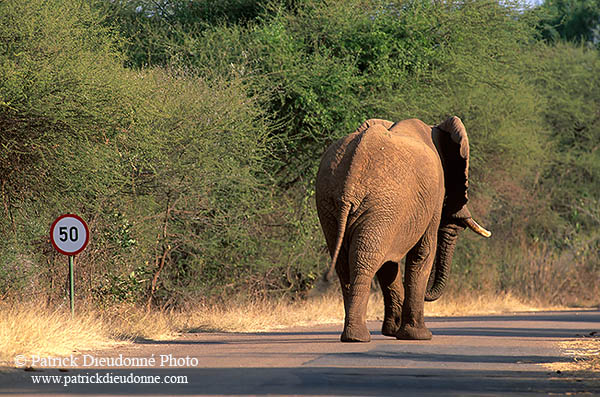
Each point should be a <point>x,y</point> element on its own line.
<point>71,286</point>
<point>69,235</point>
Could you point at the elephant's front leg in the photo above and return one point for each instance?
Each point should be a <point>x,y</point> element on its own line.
<point>418,266</point>
<point>356,297</point>
<point>390,281</point>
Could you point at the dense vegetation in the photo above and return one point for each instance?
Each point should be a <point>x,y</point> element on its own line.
<point>188,133</point>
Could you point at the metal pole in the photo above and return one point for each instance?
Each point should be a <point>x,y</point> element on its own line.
<point>71,286</point>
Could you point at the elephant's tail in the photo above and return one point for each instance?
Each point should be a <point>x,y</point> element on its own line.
<point>345,211</point>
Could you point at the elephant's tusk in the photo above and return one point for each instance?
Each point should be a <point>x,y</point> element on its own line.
<point>470,222</point>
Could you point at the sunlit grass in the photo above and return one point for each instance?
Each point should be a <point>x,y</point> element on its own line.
<point>27,329</point>
<point>482,304</point>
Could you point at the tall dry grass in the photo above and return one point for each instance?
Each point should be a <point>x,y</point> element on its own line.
<point>569,277</point>
<point>27,329</point>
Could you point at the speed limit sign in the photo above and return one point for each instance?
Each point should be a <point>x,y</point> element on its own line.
<point>69,234</point>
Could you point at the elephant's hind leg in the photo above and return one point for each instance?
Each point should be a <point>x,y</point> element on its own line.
<point>390,280</point>
<point>356,295</point>
<point>418,266</point>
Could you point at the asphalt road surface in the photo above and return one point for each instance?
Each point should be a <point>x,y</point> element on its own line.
<point>483,355</point>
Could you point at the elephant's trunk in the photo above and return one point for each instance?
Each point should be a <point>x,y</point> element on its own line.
<point>447,237</point>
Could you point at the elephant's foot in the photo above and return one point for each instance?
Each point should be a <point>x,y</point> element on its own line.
<point>408,332</point>
<point>356,334</point>
<point>390,326</point>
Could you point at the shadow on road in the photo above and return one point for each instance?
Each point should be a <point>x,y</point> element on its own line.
<point>438,326</point>
<point>255,338</point>
<point>445,357</point>
<point>513,332</point>
<point>573,316</point>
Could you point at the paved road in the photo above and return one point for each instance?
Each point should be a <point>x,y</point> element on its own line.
<point>484,355</point>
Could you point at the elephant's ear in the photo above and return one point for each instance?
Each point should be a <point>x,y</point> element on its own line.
<point>452,143</point>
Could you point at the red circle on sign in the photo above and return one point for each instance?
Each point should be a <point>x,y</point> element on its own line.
<point>87,234</point>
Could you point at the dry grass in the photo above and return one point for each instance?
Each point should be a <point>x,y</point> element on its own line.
<point>263,315</point>
<point>131,322</point>
<point>29,330</point>
<point>26,330</point>
<point>477,304</point>
<point>323,309</point>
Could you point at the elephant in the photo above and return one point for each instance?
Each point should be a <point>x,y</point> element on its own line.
<point>390,191</point>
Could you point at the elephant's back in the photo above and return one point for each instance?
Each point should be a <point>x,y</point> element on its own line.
<point>398,192</point>
<point>388,163</point>
<point>392,181</point>
<point>377,161</point>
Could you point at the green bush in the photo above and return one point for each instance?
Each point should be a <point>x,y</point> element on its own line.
<point>188,134</point>
<point>178,158</point>
<point>64,101</point>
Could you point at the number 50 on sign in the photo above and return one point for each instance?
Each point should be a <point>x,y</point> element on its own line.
<point>69,234</point>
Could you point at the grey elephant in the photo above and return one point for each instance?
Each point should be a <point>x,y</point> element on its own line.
<point>387,191</point>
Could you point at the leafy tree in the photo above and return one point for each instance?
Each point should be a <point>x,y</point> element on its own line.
<point>572,20</point>
<point>165,166</point>
<point>188,134</point>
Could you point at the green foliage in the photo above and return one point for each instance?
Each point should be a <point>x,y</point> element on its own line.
<point>391,59</point>
<point>570,81</point>
<point>188,134</point>
<point>122,288</point>
<point>120,233</point>
<point>58,96</point>
<point>178,158</point>
<point>160,32</point>
<point>201,174</point>
<point>64,100</point>
<point>572,20</point>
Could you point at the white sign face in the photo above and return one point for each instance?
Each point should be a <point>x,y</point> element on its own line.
<point>69,234</point>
